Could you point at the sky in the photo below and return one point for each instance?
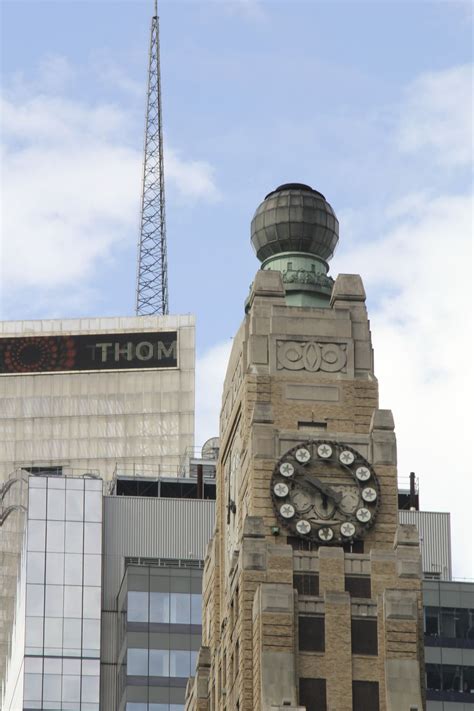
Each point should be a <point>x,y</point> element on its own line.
<point>368,102</point>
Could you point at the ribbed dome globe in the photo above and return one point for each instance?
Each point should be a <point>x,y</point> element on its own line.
<point>294,218</point>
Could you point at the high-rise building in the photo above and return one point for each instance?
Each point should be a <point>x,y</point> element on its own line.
<point>103,395</point>
<point>312,589</point>
<point>107,606</point>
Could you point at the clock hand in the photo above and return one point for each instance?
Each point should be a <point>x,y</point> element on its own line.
<point>336,496</point>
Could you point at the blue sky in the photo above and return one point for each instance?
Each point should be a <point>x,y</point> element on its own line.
<point>369,102</point>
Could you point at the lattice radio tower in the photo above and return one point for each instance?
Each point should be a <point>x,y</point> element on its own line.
<point>152,271</point>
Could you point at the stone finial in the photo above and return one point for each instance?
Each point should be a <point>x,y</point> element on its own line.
<point>348,287</point>
<point>382,420</point>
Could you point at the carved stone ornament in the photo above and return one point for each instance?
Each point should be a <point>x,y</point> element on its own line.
<point>311,356</point>
<point>304,276</point>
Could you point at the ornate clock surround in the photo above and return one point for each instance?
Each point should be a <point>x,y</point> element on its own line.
<point>325,492</point>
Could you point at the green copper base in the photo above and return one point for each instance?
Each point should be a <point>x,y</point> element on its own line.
<point>304,277</point>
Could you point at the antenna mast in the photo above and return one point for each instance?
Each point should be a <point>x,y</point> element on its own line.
<point>152,270</point>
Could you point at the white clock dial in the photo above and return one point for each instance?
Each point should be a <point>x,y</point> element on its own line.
<point>363,515</point>
<point>287,469</point>
<point>281,489</point>
<point>362,473</point>
<point>324,451</point>
<point>326,533</point>
<point>287,511</point>
<point>303,527</point>
<point>369,494</point>
<point>346,457</point>
<point>348,529</point>
<point>303,455</point>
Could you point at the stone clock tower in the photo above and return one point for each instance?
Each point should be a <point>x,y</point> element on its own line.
<point>311,588</point>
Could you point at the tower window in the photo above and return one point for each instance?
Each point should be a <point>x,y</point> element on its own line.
<point>364,636</point>
<point>306,583</point>
<point>311,634</point>
<point>313,694</point>
<point>365,696</point>
<point>358,586</point>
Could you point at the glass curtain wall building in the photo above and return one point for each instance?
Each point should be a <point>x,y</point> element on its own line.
<point>57,630</point>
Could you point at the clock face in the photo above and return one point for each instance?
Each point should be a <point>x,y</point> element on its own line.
<point>325,492</point>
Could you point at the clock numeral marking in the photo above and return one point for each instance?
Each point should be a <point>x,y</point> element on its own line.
<point>281,489</point>
<point>303,527</point>
<point>287,511</point>
<point>363,515</point>
<point>346,457</point>
<point>287,469</point>
<point>324,451</point>
<point>348,529</point>
<point>369,494</point>
<point>302,455</point>
<point>362,473</point>
<point>326,534</point>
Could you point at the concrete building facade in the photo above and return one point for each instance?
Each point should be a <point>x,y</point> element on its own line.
<point>101,394</point>
<point>312,591</point>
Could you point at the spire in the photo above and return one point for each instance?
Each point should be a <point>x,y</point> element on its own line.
<point>152,270</point>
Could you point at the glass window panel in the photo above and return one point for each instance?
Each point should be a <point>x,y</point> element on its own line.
<point>159,662</point>
<point>132,706</point>
<point>74,536</point>
<point>55,536</point>
<point>91,634</point>
<point>37,503</point>
<point>71,688</point>
<point>73,601</point>
<point>196,607</point>
<point>56,504</point>
<point>159,707</point>
<point>93,506</point>
<point>90,667</point>
<point>36,535</point>
<point>73,569</point>
<point>92,538</point>
<point>74,506</point>
<point>180,608</point>
<point>35,568</point>
<point>72,667</point>
<point>176,707</point>
<point>194,656</point>
<point>52,666</point>
<point>72,633</point>
<point>54,601</point>
<point>53,633</point>
<point>35,600</point>
<point>137,662</point>
<point>91,602</point>
<point>52,687</point>
<point>92,570</point>
<point>180,663</point>
<point>159,607</point>
<point>33,665</point>
<point>448,622</point>
<point>33,688</point>
<point>34,632</point>
<point>137,606</point>
<point>55,568</point>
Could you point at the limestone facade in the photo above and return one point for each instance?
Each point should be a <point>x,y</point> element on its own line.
<point>298,374</point>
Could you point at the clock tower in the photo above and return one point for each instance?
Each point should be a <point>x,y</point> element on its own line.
<point>312,591</point>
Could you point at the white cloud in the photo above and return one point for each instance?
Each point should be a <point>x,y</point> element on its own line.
<point>71,188</point>
<point>436,116</point>
<point>419,276</point>
<point>210,372</point>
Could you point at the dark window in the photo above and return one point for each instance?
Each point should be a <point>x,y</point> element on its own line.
<point>364,636</point>
<point>432,621</point>
<point>353,547</point>
<point>313,694</point>
<point>365,696</point>
<point>137,487</point>
<point>433,677</point>
<point>306,583</point>
<point>358,586</point>
<point>311,634</point>
<point>44,471</point>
